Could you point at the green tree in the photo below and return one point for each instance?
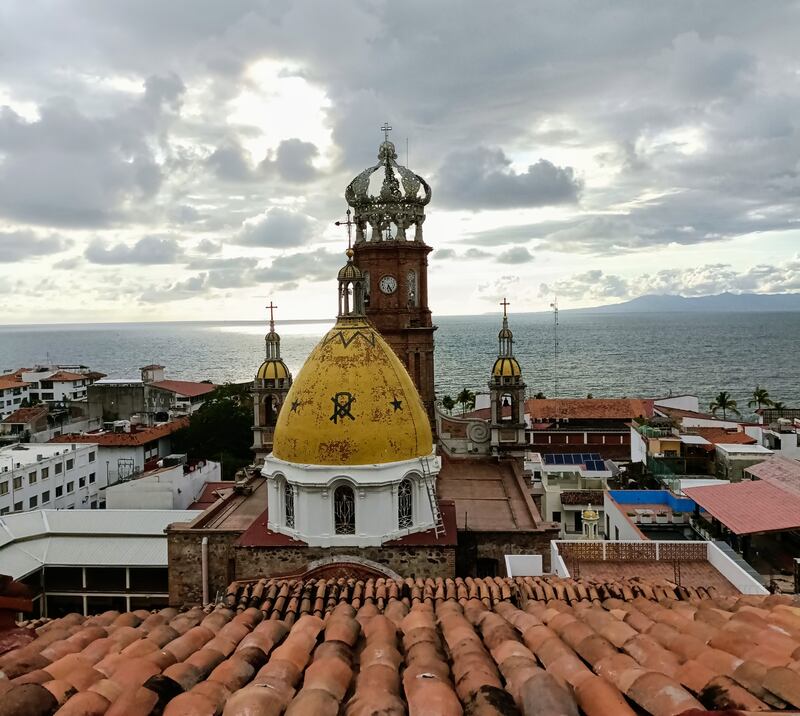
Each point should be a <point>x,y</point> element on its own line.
<point>466,399</point>
<point>725,403</point>
<point>760,398</point>
<point>540,396</point>
<point>221,430</point>
<point>778,405</point>
<point>448,404</point>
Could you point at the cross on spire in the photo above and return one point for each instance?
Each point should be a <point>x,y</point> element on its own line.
<point>386,128</point>
<point>271,308</point>
<point>505,304</point>
<point>349,224</point>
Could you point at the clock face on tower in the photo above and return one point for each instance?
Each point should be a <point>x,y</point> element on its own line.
<point>388,284</point>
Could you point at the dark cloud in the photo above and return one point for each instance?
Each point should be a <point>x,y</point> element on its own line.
<point>276,228</point>
<point>18,246</point>
<point>293,161</point>
<point>318,265</point>
<point>482,178</point>
<point>451,255</point>
<point>146,251</point>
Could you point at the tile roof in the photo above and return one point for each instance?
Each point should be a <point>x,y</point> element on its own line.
<point>484,647</point>
<point>26,415</point>
<point>140,436</point>
<point>588,408</point>
<point>67,376</point>
<point>721,435</point>
<point>210,493</point>
<point>11,381</point>
<point>186,388</point>
<point>750,506</point>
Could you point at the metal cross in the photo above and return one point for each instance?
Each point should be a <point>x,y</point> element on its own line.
<point>349,224</point>
<point>386,128</point>
<point>271,308</point>
<point>505,304</point>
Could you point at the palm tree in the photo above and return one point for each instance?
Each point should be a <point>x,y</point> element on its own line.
<point>448,404</point>
<point>466,399</point>
<point>725,403</point>
<point>540,396</point>
<point>778,405</point>
<point>760,398</point>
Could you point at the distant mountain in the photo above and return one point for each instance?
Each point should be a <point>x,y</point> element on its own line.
<point>721,303</point>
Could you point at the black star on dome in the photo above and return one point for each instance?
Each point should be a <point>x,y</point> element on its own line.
<point>396,404</point>
<point>295,405</point>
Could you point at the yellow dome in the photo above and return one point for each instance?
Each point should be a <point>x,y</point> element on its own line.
<point>353,403</point>
<point>272,370</point>
<point>506,368</point>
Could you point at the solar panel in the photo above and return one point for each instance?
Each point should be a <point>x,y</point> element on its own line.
<point>559,459</point>
<point>587,456</point>
<point>548,460</point>
<point>596,456</point>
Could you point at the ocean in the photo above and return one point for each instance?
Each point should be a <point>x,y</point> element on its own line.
<point>619,355</point>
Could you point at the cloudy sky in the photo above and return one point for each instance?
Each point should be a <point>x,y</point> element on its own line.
<point>185,159</point>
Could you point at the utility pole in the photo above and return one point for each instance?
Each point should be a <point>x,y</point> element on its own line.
<point>554,306</point>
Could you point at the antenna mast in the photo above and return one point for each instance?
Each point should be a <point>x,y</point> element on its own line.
<point>554,306</point>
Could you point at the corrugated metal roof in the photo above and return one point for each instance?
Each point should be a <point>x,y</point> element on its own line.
<point>133,538</point>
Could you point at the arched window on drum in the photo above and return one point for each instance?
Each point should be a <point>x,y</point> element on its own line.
<point>405,504</point>
<point>344,510</point>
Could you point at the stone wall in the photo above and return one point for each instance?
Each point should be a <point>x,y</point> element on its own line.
<point>474,546</point>
<point>228,562</point>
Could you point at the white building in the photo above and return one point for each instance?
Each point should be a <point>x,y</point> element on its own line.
<point>12,393</point>
<point>56,476</point>
<point>173,486</point>
<point>89,562</point>
<point>56,384</point>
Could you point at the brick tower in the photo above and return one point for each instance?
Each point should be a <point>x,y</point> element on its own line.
<point>389,202</point>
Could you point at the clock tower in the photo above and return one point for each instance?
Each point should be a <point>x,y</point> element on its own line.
<point>388,202</point>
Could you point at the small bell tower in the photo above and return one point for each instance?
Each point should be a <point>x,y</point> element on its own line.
<point>507,396</point>
<point>271,384</point>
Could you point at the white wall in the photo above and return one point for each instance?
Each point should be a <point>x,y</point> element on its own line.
<point>165,489</point>
<point>618,520</point>
<point>682,402</point>
<point>11,399</point>
<point>638,447</point>
<point>708,423</point>
<point>733,572</point>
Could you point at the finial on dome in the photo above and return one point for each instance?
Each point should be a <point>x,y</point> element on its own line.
<point>386,128</point>
<point>349,224</point>
<point>271,308</point>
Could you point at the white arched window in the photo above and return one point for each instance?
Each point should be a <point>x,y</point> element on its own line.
<point>288,504</point>
<point>405,509</point>
<point>344,510</point>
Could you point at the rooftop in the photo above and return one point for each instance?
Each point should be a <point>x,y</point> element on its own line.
<point>739,449</point>
<point>475,646</point>
<point>750,506</point>
<point>488,495</point>
<point>185,388</point>
<point>66,376</point>
<point>780,471</point>
<point>138,435</point>
<point>26,415</point>
<point>8,382</point>
<point>30,540</point>
<point>25,454</point>
<point>725,436</point>
<point>588,408</point>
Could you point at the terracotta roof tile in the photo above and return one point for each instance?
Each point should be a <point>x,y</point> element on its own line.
<point>140,436</point>
<point>478,646</point>
<point>186,388</point>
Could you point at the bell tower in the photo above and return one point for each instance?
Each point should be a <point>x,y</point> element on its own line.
<point>388,202</point>
<point>507,396</point>
<point>271,384</point>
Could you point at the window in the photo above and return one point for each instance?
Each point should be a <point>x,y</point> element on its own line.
<point>344,510</point>
<point>91,456</point>
<point>91,478</point>
<point>70,464</point>
<point>32,478</point>
<point>4,511</point>
<point>288,504</point>
<point>616,533</point>
<point>17,483</point>
<point>45,473</point>
<point>4,488</point>
<point>33,502</point>
<point>59,468</point>
<point>45,497</point>
<point>18,506</point>
<point>404,507</point>
<point>556,517</point>
<point>70,487</point>
<point>82,482</point>
<point>59,491</point>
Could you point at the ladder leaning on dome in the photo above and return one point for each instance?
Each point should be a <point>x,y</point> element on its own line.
<point>430,488</point>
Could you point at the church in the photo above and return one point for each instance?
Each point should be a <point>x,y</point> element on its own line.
<point>358,473</point>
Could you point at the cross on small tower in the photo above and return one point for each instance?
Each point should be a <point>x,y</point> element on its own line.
<point>505,304</point>
<point>271,308</point>
<point>386,128</point>
<point>349,224</point>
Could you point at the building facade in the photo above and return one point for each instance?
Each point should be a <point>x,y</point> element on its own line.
<point>55,476</point>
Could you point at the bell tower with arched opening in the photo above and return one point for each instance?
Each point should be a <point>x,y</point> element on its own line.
<point>507,396</point>
<point>270,387</point>
<point>388,202</point>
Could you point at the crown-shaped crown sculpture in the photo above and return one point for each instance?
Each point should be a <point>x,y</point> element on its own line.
<point>391,206</point>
